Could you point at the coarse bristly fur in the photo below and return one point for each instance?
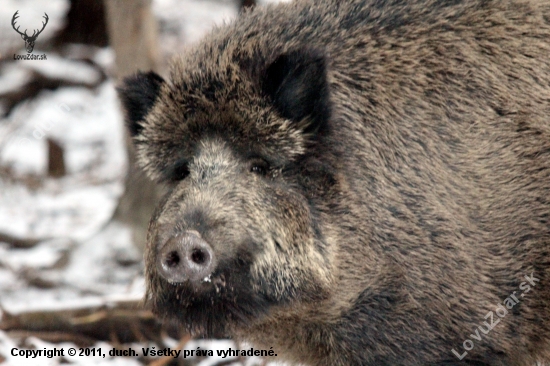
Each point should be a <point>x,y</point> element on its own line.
<point>373,177</point>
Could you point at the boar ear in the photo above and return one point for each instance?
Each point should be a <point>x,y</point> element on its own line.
<point>296,83</point>
<point>138,94</point>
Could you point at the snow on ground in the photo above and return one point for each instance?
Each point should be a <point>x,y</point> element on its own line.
<point>13,77</point>
<point>88,124</point>
<point>63,69</point>
<point>81,258</point>
<point>181,24</point>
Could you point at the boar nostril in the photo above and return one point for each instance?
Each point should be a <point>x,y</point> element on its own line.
<point>172,259</point>
<point>185,257</point>
<point>199,256</point>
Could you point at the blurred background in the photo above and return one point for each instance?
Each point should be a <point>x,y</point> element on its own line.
<point>73,207</point>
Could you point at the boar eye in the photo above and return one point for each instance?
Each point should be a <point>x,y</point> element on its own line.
<point>259,166</point>
<point>180,172</point>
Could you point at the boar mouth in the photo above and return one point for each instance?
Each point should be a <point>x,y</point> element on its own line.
<point>212,306</point>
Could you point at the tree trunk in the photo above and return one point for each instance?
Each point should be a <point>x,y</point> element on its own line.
<point>132,33</point>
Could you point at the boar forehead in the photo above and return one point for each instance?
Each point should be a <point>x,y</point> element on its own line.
<point>213,158</point>
<point>198,105</point>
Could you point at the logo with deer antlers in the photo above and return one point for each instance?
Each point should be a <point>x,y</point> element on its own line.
<point>29,40</point>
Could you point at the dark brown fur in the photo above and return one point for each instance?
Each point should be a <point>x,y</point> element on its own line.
<point>403,152</point>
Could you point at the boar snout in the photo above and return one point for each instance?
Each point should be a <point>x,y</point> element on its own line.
<point>185,257</point>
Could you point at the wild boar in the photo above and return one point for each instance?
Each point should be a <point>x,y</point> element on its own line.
<point>358,182</point>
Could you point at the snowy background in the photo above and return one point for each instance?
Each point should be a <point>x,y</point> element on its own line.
<point>59,249</point>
